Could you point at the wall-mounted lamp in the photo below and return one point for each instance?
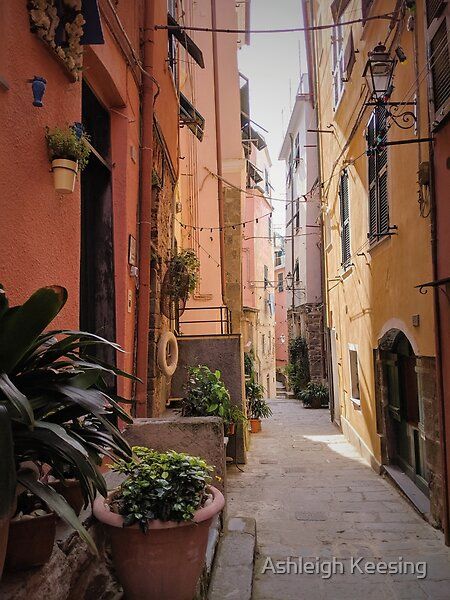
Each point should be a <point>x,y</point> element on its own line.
<point>38,85</point>
<point>379,74</point>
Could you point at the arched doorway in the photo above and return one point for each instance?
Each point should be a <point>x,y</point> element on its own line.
<point>404,414</point>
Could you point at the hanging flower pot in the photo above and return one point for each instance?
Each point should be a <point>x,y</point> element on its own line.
<point>69,151</point>
<point>64,175</point>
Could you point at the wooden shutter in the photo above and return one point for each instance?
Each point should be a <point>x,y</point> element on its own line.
<point>377,174</point>
<point>349,57</point>
<point>438,47</point>
<point>365,8</point>
<point>372,173</point>
<point>337,8</point>
<point>345,219</point>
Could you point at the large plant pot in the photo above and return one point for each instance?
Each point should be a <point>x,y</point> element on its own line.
<point>4,528</point>
<point>167,561</point>
<point>255,425</point>
<point>64,175</point>
<point>230,429</point>
<point>70,489</point>
<point>30,542</point>
<point>316,402</point>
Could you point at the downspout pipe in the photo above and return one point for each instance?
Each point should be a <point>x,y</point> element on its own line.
<point>145,210</point>
<point>218,149</point>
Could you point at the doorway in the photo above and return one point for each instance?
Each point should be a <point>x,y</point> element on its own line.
<point>97,289</point>
<point>406,439</point>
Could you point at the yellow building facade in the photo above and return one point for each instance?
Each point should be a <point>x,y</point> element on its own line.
<point>377,239</point>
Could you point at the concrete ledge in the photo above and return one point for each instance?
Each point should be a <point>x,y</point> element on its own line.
<point>355,439</point>
<point>232,576</point>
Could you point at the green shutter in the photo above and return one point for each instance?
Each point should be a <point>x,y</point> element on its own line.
<point>345,219</point>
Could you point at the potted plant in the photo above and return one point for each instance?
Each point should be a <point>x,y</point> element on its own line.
<point>315,395</point>
<point>7,481</point>
<point>60,410</point>
<point>158,522</point>
<point>257,406</point>
<point>207,396</point>
<point>69,153</point>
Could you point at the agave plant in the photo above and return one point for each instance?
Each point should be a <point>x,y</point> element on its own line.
<point>61,412</point>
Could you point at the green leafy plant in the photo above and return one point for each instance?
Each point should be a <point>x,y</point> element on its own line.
<point>170,486</point>
<point>315,394</point>
<point>184,268</point>
<point>249,365</point>
<point>207,396</point>
<point>298,367</point>
<point>66,143</point>
<point>258,407</point>
<point>60,409</point>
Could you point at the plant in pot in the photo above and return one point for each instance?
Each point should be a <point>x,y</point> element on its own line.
<point>60,411</point>
<point>257,406</point>
<point>315,395</point>
<point>7,481</point>
<point>69,153</point>
<point>158,522</point>
<point>207,396</point>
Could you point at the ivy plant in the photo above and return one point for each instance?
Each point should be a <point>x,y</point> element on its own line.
<point>169,486</point>
<point>184,270</point>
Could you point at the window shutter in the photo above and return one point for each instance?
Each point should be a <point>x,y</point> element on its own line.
<point>345,219</point>
<point>377,174</point>
<point>338,7</point>
<point>349,57</point>
<point>365,8</point>
<point>438,22</point>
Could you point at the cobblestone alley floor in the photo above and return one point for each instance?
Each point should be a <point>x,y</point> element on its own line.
<point>313,496</point>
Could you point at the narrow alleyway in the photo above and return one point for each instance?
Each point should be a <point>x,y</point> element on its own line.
<point>313,496</point>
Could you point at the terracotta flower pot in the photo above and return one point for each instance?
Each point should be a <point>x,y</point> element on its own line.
<point>255,425</point>
<point>70,489</point>
<point>167,561</point>
<point>64,175</point>
<point>230,429</point>
<point>30,542</point>
<point>4,528</point>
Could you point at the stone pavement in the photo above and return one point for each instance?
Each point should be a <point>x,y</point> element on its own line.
<point>313,497</point>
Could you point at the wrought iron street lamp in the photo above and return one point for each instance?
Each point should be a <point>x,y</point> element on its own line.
<point>379,73</point>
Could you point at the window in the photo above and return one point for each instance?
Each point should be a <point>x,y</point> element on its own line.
<point>267,185</point>
<point>354,375</point>
<point>289,169</point>
<point>297,271</point>
<point>377,163</point>
<point>337,44</point>
<point>345,218</point>
<point>297,150</point>
<point>263,343</point>
<point>280,282</point>
<point>270,230</point>
<point>297,213</point>
<point>266,277</point>
<point>438,29</point>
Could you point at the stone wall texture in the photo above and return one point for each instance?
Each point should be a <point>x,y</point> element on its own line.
<point>307,322</point>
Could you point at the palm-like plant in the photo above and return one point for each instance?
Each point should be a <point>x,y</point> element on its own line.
<point>60,408</point>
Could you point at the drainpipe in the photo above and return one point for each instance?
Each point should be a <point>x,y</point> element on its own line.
<point>292,237</point>
<point>218,149</point>
<point>145,209</point>
<point>438,346</point>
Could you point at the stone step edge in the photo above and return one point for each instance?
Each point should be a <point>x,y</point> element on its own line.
<point>232,575</point>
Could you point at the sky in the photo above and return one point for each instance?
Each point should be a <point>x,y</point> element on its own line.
<point>272,64</point>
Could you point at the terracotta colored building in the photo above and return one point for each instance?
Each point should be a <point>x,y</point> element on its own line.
<point>90,241</point>
<point>438,52</point>
<point>281,323</point>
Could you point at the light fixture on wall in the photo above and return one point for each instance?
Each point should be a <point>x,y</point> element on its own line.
<point>379,75</point>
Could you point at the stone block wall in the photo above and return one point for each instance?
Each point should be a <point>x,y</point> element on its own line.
<point>307,322</point>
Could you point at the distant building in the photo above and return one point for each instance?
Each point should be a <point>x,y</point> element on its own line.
<point>303,228</point>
